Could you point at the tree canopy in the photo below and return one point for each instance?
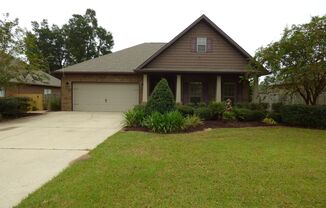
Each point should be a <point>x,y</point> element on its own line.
<point>80,39</point>
<point>12,65</point>
<point>298,60</point>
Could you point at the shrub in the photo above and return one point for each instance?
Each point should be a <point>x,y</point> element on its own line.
<point>269,121</point>
<point>164,123</point>
<point>244,114</point>
<point>134,117</point>
<point>185,110</point>
<point>161,99</point>
<point>191,121</point>
<point>217,109</point>
<point>253,106</point>
<point>204,113</point>
<point>276,116</point>
<point>303,115</point>
<point>54,104</point>
<point>14,106</point>
<point>228,116</point>
<point>276,107</point>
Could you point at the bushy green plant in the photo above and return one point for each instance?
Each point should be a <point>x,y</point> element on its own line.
<point>191,121</point>
<point>217,109</point>
<point>269,121</point>
<point>185,110</point>
<point>228,116</point>
<point>169,122</point>
<point>303,115</point>
<point>134,117</point>
<point>276,116</point>
<point>244,114</point>
<point>54,104</point>
<point>276,107</point>
<point>161,99</point>
<point>14,106</point>
<point>253,106</point>
<point>204,113</point>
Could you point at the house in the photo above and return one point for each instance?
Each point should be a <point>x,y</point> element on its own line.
<point>37,90</point>
<point>201,64</point>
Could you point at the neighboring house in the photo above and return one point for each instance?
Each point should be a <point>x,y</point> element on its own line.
<point>201,64</point>
<point>37,90</point>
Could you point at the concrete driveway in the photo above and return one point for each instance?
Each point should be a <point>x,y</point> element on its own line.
<point>35,149</point>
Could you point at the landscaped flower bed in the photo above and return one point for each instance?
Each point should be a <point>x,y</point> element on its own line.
<point>162,115</point>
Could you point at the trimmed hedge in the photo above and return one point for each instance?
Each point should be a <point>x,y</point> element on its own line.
<point>253,106</point>
<point>244,114</point>
<point>14,106</point>
<point>217,109</point>
<point>303,115</point>
<point>204,113</point>
<point>161,99</point>
<point>185,110</point>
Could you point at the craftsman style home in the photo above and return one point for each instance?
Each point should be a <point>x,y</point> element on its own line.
<point>201,64</point>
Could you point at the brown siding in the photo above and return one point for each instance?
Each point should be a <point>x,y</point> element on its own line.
<point>69,79</point>
<point>30,89</point>
<point>179,55</point>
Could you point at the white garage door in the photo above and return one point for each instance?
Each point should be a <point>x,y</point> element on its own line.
<point>104,96</point>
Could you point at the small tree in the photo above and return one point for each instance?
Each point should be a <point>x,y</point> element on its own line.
<point>298,60</point>
<point>161,99</point>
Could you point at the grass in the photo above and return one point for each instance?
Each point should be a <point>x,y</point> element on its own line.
<point>244,167</point>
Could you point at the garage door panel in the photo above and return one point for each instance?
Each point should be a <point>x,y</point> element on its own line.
<point>104,96</point>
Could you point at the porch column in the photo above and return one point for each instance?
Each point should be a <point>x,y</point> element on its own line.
<point>218,89</point>
<point>178,90</point>
<point>145,88</point>
<point>255,98</point>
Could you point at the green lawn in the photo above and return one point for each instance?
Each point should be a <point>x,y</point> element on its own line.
<point>245,167</point>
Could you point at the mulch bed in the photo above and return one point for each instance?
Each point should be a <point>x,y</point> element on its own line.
<point>207,125</point>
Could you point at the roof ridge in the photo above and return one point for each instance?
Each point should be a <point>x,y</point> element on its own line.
<point>212,24</point>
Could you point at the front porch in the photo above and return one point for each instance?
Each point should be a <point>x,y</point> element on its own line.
<point>196,88</point>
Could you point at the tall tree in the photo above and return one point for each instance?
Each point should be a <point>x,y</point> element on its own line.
<point>85,39</point>
<point>12,66</point>
<point>298,60</point>
<point>11,36</point>
<point>79,40</point>
<point>47,43</point>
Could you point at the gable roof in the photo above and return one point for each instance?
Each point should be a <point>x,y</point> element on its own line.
<point>123,61</point>
<point>47,80</point>
<point>213,25</point>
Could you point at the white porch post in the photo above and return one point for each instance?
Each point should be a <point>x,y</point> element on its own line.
<point>255,98</point>
<point>145,88</point>
<point>218,89</point>
<point>178,90</point>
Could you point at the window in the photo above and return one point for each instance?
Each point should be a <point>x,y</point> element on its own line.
<point>229,91</point>
<point>201,45</point>
<point>195,92</point>
<point>2,92</point>
<point>47,91</point>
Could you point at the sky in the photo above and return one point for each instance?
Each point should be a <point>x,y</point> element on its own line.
<point>251,23</point>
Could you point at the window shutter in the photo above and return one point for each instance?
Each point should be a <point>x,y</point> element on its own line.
<point>209,45</point>
<point>193,44</point>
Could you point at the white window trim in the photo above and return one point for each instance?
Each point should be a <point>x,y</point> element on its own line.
<point>47,91</point>
<point>201,41</point>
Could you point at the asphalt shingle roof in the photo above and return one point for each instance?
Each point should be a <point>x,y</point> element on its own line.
<point>47,80</point>
<point>123,61</point>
